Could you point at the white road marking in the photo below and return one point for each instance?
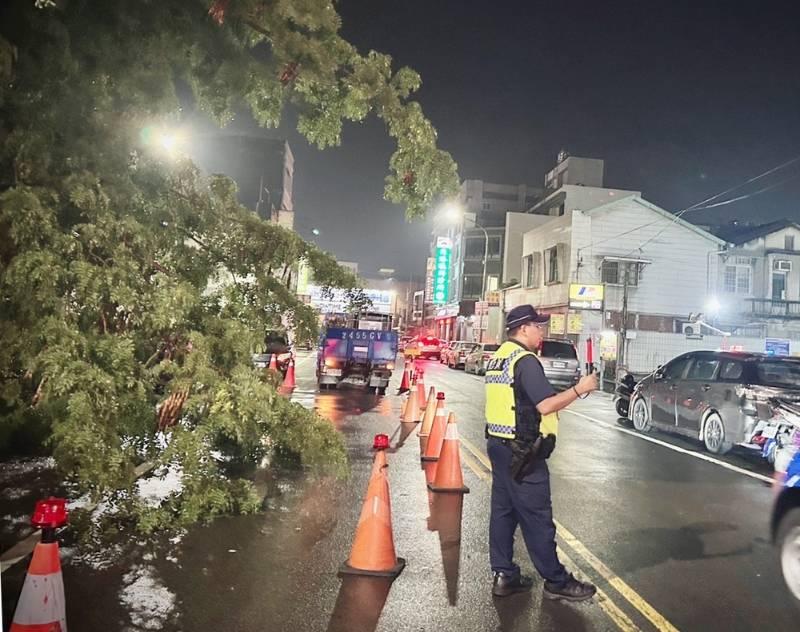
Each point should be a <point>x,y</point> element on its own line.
<point>696,455</point>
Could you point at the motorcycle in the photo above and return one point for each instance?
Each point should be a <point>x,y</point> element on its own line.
<point>623,394</point>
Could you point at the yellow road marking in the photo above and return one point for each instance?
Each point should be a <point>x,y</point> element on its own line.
<point>636,600</point>
<point>613,611</point>
<point>659,621</point>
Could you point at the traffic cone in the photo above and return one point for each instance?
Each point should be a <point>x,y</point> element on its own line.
<point>273,362</point>
<point>288,381</point>
<point>411,415</point>
<point>403,405</point>
<point>373,551</point>
<point>448,471</point>
<point>421,401</point>
<point>406,382</point>
<point>430,412</point>
<point>433,449</point>
<point>41,606</point>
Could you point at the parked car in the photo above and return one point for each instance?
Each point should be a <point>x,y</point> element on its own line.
<point>480,354</point>
<point>722,398</point>
<point>446,349</point>
<point>785,521</point>
<point>458,354</point>
<point>559,360</point>
<point>401,345</point>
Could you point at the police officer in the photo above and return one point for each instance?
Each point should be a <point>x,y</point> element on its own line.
<point>518,395</point>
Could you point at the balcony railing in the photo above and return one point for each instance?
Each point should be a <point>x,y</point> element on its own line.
<point>770,308</point>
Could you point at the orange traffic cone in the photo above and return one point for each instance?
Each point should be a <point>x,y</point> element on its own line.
<point>411,415</point>
<point>41,606</point>
<point>273,362</point>
<point>403,405</point>
<point>421,401</point>
<point>288,381</point>
<point>433,449</point>
<point>433,405</point>
<point>405,384</point>
<point>448,471</point>
<point>373,546</point>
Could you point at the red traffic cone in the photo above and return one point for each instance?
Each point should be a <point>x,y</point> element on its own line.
<point>288,381</point>
<point>273,362</point>
<point>41,606</point>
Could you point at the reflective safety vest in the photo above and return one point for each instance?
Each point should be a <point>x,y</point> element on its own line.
<point>501,407</point>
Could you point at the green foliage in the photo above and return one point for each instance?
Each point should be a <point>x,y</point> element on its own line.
<point>126,277</point>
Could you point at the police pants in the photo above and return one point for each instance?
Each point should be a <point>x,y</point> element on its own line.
<point>526,504</point>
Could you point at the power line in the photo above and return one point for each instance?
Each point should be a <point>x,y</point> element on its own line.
<point>702,205</point>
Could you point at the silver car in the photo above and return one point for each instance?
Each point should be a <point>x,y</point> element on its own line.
<point>476,360</point>
<point>559,359</point>
<point>722,398</point>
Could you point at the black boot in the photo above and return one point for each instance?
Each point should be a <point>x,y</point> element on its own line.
<point>505,585</point>
<point>572,590</point>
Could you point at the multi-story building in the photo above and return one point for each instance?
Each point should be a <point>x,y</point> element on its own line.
<point>758,288</point>
<point>655,270</point>
<point>477,240</point>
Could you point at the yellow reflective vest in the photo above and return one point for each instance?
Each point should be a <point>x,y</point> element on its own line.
<point>501,418</point>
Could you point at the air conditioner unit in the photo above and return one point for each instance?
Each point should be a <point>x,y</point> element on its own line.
<point>782,265</point>
<point>692,330</point>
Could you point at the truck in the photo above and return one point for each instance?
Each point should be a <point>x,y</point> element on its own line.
<point>360,350</point>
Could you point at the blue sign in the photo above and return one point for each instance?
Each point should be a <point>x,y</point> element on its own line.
<point>777,346</point>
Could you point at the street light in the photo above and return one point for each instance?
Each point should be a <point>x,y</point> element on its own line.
<point>453,212</point>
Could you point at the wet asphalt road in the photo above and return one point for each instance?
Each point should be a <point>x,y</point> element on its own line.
<point>673,542</point>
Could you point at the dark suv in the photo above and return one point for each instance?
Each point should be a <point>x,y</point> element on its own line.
<point>716,396</point>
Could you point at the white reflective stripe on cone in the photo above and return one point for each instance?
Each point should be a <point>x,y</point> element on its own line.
<point>41,601</point>
<point>452,433</point>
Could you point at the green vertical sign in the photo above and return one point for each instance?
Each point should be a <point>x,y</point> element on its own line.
<point>441,271</point>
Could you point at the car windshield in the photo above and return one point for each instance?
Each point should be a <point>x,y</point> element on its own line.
<point>556,349</point>
<point>780,373</point>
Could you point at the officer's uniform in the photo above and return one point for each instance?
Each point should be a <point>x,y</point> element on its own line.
<point>515,384</point>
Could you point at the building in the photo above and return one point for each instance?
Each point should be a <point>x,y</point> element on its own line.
<point>476,245</point>
<point>263,169</point>
<point>611,271</point>
<point>758,288</point>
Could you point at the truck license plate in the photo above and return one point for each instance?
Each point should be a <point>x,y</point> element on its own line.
<point>333,372</point>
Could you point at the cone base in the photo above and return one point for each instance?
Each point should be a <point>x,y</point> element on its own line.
<point>429,458</point>
<point>346,569</point>
<point>448,490</point>
<point>423,435</point>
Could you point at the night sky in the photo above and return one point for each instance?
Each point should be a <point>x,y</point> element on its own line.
<point>682,99</point>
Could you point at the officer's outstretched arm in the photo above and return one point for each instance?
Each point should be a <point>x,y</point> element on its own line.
<point>587,384</point>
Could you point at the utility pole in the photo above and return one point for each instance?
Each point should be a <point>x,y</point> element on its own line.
<point>624,327</point>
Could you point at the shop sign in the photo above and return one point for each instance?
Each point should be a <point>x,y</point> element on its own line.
<point>557,323</point>
<point>586,296</point>
<point>574,323</point>
<point>441,271</point>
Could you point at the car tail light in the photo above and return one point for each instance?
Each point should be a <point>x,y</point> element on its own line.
<point>330,362</point>
<point>390,366</point>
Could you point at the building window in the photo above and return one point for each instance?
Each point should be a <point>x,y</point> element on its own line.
<point>495,246</point>
<point>474,248</point>
<point>788,242</point>
<point>778,286</point>
<point>552,261</point>
<point>532,264</point>
<point>738,279</point>
<point>472,286</point>
<point>613,272</point>
<point>496,195</point>
<point>487,206</point>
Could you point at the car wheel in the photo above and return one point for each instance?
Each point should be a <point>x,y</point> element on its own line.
<point>641,416</point>
<point>714,435</point>
<point>622,408</point>
<point>788,541</point>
